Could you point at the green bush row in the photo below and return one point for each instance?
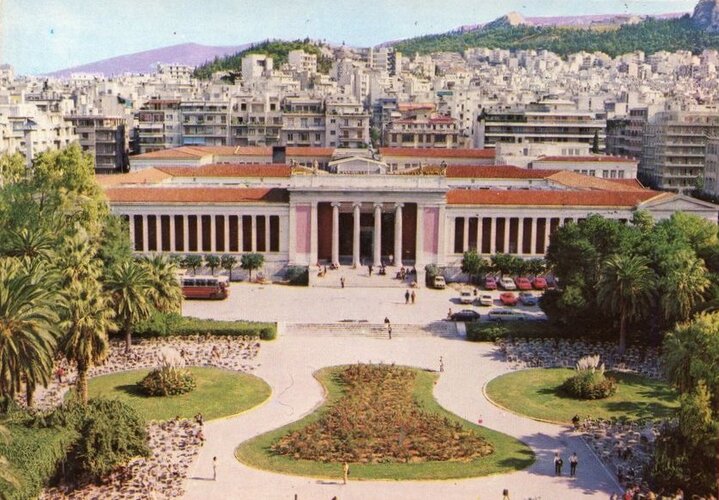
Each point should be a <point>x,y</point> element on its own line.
<point>489,332</point>
<point>172,324</point>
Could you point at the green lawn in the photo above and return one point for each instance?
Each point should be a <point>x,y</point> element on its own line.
<point>509,454</point>
<point>219,393</point>
<point>535,393</point>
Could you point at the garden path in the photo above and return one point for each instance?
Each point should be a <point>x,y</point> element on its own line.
<point>287,365</point>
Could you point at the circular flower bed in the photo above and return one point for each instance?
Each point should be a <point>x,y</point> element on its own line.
<point>167,381</point>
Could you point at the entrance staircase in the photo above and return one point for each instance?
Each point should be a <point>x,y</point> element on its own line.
<point>443,329</point>
<point>359,278</point>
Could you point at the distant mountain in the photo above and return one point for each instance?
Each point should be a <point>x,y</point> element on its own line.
<point>507,21</point>
<point>706,15</point>
<point>191,54</point>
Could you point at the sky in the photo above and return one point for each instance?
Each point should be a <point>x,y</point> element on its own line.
<point>38,36</point>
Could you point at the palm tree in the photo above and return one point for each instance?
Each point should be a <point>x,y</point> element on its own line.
<point>626,289</point>
<point>28,330</point>
<point>29,243</point>
<point>683,285</point>
<point>165,291</point>
<point>128,284</point>
<point>87,321</point>
<point>76,260</point>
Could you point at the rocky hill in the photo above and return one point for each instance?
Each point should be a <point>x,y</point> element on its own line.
<point>706,15</point>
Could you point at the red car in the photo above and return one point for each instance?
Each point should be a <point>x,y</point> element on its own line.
<point>508,299</point>
<point>539,283</point>
<point>523,283</point>
<point>490,283</point>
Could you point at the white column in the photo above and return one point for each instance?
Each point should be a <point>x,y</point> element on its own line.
<point>292,234</point>
<point>507,227</point>
<point>186,233</point>
<point>520,236</point>
<point>226,227</point>
<point>336,234</point>
<point>419,245</point>
<point>313,234</point>
<point>267,233</point>
<point>479,235</point>
<point>213,233</point>
<point>356,235</point>
<point>398,234</point>
<point>378,234</point>
<point>145,234</point>
<point>173,245</point>
<point>533,237</point>
<point>253,232</point>
<point>240,234</point>
<point>441,235</point>
<point>547,229</point>
<point>465,235</point>
<point>158,233</point>
<point>131,223</point>
<point>199,232</point>
<point>493,236</point>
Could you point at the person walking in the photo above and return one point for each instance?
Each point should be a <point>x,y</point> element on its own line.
<point>406,297</point>
<point>370,269</point>
<point>413,296</point>
<point>505,494</point>
<point>389,331</point>
<point>441,364</point>
<point>558,464</point>
<point>342,281</point>
<point>573,461</point>
<point>214,468</point>
<point>345,472</point>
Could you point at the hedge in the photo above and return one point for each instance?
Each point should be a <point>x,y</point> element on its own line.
<point>489,332</point>
<point>172,324</point>
<point>34,455</point>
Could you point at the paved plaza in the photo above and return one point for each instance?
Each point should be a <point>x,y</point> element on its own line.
<point>288,363</point>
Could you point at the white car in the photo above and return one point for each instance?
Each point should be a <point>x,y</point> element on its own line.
<point>500,315</point>
<point>507,283</point>
<point>486,300</point>
<point>466,297</point>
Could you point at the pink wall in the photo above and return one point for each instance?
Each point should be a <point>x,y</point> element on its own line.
<point>302,229</point>
<point>431,230</point>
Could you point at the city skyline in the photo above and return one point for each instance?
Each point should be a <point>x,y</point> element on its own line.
<point>42,36</point>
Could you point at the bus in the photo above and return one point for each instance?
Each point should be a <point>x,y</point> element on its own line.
<point>205,287</point>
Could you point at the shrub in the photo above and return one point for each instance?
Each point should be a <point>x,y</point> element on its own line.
<point>298,275</point>
<point>430,271</point>
<point>589,381</point>
<point>167,381</point>
<point>489,332</point>
<point>169,324</point>
<point>111,434</point>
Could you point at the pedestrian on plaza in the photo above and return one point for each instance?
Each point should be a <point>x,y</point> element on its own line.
<point>449,314</point>
<point>59,373</point>
<point>414,296</point>
<point>406,296</point>
<point>389,331</point>
<point>345,472</point>
<point>573,461</point>
<point>558,462</point>
<point>214,468</point>
<point>370,269</point>
<point>386,320</point>
<point>342,281</point>
<point>441,365</point>
<point>505,494</point>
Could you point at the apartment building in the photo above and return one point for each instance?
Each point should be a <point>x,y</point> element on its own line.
<point>255,120</point>
<point>674,148</point>
<point>347,123</point>
<point>711,167</point>
<point>158,125</point>
<point>303,122</point>
<point>550,120</point>
<point>105,138</point>
<point>205,123</point>
<point>256,66</point>
<point>434,131</point>
<point>300,60</point>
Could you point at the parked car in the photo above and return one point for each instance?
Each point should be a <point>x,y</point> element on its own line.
<point>486,300</point>
<point>466,297</point>
<point>527,299</point>
<point>439,282</point>
<point>506,315</point>
<point>508,299</point>
<point>465,315</point>
<point>490,283</point>
<point>507,283</point>
<point>523,283</point>
<point>539,283</point>
<point>552,282</point>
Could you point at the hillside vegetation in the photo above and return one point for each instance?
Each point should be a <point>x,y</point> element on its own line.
<point>277,49</point>
<point>650,36</point>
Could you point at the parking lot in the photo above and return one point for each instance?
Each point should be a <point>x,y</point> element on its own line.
<point>324,305</point>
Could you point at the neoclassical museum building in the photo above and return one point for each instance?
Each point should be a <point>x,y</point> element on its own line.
<point>303,206</point>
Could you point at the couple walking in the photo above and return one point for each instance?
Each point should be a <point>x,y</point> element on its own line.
<point>558,463</point>
<point>409,296</point>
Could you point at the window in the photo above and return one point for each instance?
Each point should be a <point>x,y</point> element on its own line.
<point>605,173</point>
<point>317,137</point>
<point>290,137</point>
<point>620,174</point>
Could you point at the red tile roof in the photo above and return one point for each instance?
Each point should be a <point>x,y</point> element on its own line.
<point>195,195</point>
<point>496,172</point>
<point>625,199</point>
<point>252,151</point>
<point>582,181</point>
<point>437,152</point>
<point>230,170</point>
<point>584,159</point>
<point>179,153</point>
<point>309,151</point>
